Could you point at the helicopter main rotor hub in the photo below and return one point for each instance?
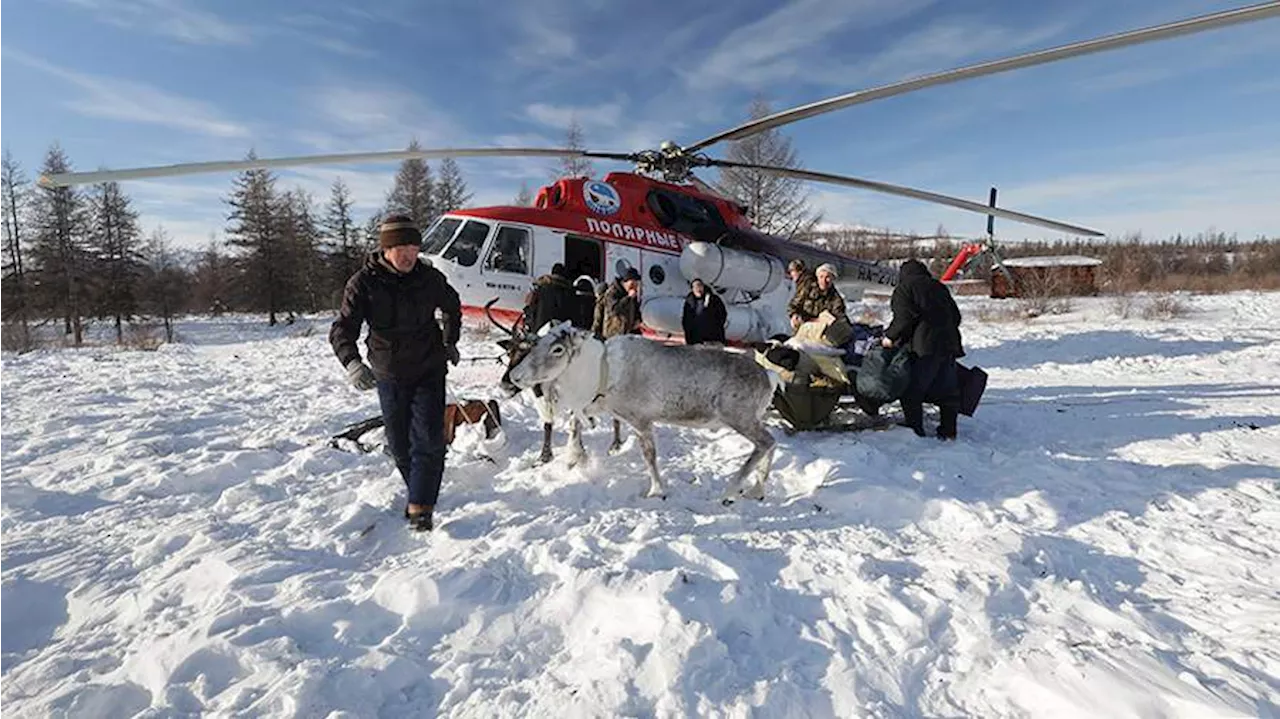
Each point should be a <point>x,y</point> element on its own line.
<point>670,162</point>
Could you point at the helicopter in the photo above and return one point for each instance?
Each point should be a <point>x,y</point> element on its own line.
<point>665,222</point>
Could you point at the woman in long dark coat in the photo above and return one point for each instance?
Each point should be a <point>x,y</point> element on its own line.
<point>704,315</point>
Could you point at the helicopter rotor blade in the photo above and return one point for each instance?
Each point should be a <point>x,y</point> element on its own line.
<point>901,191</point>
<point>193,168</point>
<point>1109,42</point>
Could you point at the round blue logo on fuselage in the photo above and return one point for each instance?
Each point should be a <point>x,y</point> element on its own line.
<point>601,197</point>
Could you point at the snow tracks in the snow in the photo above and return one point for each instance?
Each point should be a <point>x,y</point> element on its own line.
<point>1103,540</point>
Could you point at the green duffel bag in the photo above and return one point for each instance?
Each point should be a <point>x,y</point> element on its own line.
<point>885,374</point>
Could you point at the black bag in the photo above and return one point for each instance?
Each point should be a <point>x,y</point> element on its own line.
<point>885,374</point>
<point>973,382</point>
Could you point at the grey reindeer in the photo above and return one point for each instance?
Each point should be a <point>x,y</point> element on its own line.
<point>644,383</point>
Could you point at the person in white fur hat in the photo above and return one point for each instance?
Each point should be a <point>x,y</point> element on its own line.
<point>812,299</point>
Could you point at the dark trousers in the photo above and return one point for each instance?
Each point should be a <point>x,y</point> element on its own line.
<point>414,417</point>
<point>934,379</point>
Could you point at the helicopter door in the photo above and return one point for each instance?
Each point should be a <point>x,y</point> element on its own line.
<point>507,268</point>
<point>618,258</point>
<point>583,256</point>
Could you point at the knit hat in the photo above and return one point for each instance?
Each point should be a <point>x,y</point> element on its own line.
<point>795,265</point>
<point>828,268</point>
<point>398,230</point>
<point>631,274</point>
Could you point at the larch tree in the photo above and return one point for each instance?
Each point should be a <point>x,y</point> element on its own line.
<point>253,229</point>
<point>15,196</point>
<point>214,279</point>
<point>775,204</point>
<point>571,165</point>
<point>165,288</point>
<point>413,192</point>
<point>451,188</point>
<point>58,248</point>
<point>370,230</point>
<point>524,198</point>
<point>344,243</point>
<point>116,243</point>
<point>300,236</point>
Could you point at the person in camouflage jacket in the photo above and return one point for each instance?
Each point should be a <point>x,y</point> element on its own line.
<point>618,313</point>
<point>618,307</point>
<point>815,293</point>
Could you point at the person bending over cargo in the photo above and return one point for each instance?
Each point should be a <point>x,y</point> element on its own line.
<point>926,321</point>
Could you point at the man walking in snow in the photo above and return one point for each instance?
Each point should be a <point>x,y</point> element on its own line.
<point>398,296</point>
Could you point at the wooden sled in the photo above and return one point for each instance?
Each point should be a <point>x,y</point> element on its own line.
<point>455,413</point>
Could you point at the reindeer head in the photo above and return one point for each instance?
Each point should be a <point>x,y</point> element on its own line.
<point>515,346</point>
<point>550,355</point>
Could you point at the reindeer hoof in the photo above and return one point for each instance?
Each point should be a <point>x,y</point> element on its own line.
<point>544,458</point>
<point>615,448</point>
<point>726,501</point>
<point>754,493</point>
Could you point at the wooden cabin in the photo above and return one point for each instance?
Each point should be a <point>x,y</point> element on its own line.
<point>1052,276</point>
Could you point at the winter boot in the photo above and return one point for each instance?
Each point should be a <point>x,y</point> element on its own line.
<point>947,423</point>
<point>913,417</point>
<point>420,521</point>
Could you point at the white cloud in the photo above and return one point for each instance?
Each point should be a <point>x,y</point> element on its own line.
<point>948,43</point>
<point>606,115</point>
<point>382,116</point>
<point>170,18</point>
<point>132,101</point>
<point>178,20</point>
<point>785,44</point>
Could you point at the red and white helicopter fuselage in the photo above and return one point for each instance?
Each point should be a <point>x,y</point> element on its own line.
<point>671,233</point>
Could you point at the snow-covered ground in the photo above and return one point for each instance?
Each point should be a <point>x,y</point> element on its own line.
<point>1104,540</point>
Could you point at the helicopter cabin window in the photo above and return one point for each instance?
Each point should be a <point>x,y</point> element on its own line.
<point>439,234</point>
<point>466,249</point>
<point>510,251</point>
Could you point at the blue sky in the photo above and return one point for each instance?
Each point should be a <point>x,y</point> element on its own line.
<point>1178,136</point>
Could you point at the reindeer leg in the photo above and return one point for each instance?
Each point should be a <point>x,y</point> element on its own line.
<point>617,438</point>
<point>546,443</point>
<point>761,460</point>
<point>644,435</point>
<point>577,452</point>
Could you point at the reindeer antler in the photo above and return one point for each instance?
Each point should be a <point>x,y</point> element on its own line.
<point>487,313</point>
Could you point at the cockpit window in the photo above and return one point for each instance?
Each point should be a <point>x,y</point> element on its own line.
<point>439,234</point>
<point>466,249</point>
<point>510,251</point>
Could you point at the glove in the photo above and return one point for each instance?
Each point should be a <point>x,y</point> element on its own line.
<point>451,353</point>
<point>360,376</point>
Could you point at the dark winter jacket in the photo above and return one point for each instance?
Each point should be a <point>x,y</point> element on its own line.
<point>925,316</point>
<point>552,299</point>
<point>617,313</point>
<point>811,300</point>
<point>704,318</point>
<point>405,340</point>
<point>584,304</point>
